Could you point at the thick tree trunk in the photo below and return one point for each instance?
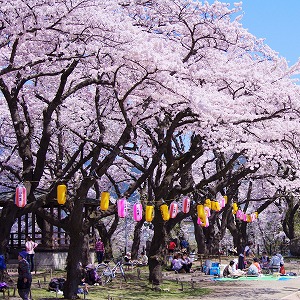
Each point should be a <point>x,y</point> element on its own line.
<point>7,219</point>
<point>74,265</point>
<point>156,258</point>
<point>76,249</point>
<point>199,237</point>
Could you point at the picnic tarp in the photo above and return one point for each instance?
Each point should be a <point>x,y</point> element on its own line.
<point>262,277</point>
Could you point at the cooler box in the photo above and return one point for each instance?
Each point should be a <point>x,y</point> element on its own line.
<point>215,264</point>
<point>214,271</point>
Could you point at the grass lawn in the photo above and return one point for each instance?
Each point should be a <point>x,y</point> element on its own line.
<point>136,287</point>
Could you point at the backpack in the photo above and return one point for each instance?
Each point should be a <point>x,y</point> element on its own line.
<point>2,262</point>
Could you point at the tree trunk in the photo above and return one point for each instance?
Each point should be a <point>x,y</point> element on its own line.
<point>156,251</point>
<point>7,220</point>
<point>199,237</point>
<point>136,240</point>
<point>76,248</point>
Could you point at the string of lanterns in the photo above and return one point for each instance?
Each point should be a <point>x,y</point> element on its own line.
<point>203,210</point>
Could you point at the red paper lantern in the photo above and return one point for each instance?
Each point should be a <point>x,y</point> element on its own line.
<point>21,196</point>
<point>186,204</point>
<point>173,210</point>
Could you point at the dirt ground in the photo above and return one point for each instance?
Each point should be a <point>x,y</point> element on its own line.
<point>276,288</point>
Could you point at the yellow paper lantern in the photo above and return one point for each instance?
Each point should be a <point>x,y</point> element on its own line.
<point>104,200</point>
<point>226,199</point>
<point>217,206</point>
<point>201,212</point>
<point>234,208</point>
<point>249,219</point>
<point>164,212</point>
<point>61,194</point>
<point>149,214</point>
<point>207,203</point>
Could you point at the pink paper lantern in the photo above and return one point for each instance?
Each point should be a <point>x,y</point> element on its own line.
<point>239,214</point>
<point>207,211</point>
<point>21,196</point>
<point>186,204</point>
<point>122,207</point>
<point>137,212</point>
<point>173,209</point>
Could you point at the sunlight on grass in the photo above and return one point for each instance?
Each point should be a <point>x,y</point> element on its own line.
<point>133,289</point>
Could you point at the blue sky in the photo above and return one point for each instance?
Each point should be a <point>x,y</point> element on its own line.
<point>277,21</point>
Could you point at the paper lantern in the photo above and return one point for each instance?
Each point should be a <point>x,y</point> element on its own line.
<point>104,200</point>
<point>207,203</point>
<point>222,202</point>
<point>149,214</point>
<point>21,196</point>
<point>199,221</point>
<point>186,205</point>
<point>207,211</point>
<point>61,194</point>
<point>234,208</point>
<point>122,207</point>
<point>242,216</point>
<point>249,219</point>
<point>245,217</point>
<point>164,209</point>
<point>201,212</point>
<point>137,212</point>
<point>226,199</point>
<point>173,211</point>
<point>239,213</point>
<point>217,206</point>
<point>253,217</point>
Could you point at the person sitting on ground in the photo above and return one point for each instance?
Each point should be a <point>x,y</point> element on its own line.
<point>229,269</point>
<point>143,260</point>
<point>274,265</point>
<point>257,264</point>
<point>265,260</point>
<point>177,263</point>
<point>251,269</point>
<point>186,263</point>
<point>91,276</point>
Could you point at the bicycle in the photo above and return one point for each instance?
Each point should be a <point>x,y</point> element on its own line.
<point>106,273</point>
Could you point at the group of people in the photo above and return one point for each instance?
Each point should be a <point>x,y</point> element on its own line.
<point>248,264</point>
<point>181,263</point>
<point>183,245</point>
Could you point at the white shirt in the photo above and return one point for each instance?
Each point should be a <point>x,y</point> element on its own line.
<point>30,245</point>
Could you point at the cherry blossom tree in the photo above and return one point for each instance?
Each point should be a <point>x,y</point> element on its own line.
<point>175,89</point>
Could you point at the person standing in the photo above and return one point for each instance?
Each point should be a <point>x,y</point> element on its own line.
<point>24,276</point>
<point>99,248</point>
<point>30,245</point>
<point>247,252</point>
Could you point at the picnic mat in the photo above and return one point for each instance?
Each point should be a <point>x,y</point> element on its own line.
<point>263,277</point>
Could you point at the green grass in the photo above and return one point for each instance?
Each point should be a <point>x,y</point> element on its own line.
<point>118,289</point>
